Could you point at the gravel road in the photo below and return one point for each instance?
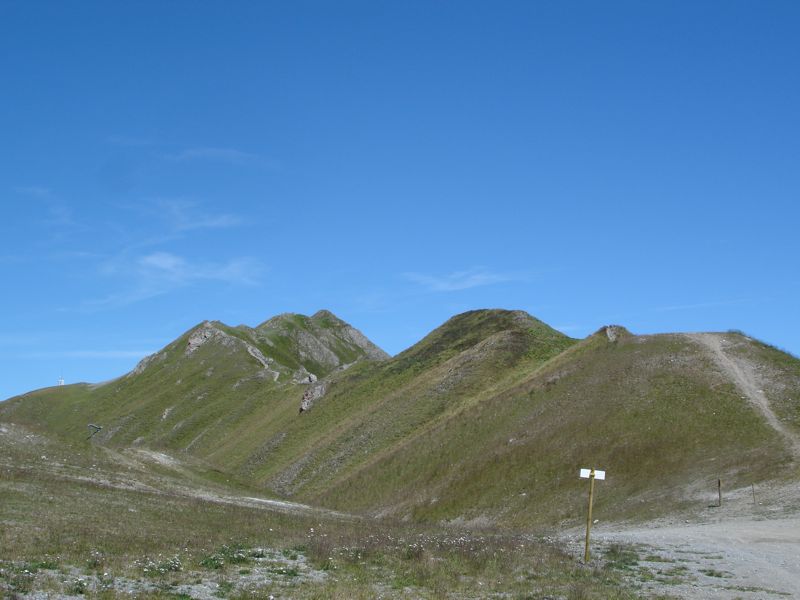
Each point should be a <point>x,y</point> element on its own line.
<point>740,558</point>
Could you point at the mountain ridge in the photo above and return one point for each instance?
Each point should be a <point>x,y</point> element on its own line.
<point>490,402</point>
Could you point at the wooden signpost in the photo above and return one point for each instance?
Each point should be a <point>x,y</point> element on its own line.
<point>591,475</point>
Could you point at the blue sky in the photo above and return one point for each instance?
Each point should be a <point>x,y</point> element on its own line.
<point>394,162</point>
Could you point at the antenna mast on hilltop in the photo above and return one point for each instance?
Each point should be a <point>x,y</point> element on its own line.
<point>61,380</point>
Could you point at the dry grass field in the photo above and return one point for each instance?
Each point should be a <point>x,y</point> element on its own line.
<point>78,521</point>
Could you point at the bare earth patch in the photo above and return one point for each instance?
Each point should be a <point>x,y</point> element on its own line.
<point>722,560</point>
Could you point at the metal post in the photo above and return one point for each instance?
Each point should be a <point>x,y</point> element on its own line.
<point>589,517</point>
<point>719,491</point>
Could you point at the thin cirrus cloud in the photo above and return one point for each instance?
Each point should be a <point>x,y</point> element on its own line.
<point>176,269</point>
<point>160,273</point>
<point>461,280</point>
<point>184,215</point>
<point>176,218</point>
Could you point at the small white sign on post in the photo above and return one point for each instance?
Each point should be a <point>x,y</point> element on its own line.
<point>591,475</point>
<point>586,473</point>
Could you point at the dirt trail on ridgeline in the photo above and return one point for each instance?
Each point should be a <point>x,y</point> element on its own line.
<point>744,375</point>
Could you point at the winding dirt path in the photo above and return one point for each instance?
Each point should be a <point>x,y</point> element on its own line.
<point>742,372</point>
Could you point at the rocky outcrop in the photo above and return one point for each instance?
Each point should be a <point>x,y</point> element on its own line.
<point>312,348</point>
<point>314,392</point>
<point>613,333</point>
<point>208,332</point>
<point>266,363</point>
<point>203,334</point>
<point>302,375</point>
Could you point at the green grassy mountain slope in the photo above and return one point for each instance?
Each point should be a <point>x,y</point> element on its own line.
<point>657,412</point>
<point>487,419</point>
<point>378,407</point>
<point>204,389</point>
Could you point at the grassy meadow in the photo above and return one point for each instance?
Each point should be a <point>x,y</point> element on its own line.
<point>77,521</point>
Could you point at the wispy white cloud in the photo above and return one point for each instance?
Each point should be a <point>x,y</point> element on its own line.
<point>163,261</point>
<point>462,280</point>
<point>140,267</point>
<point>159,273</point>
<point>167,220</point>
<point>176,269</point>
<point>184,215</point>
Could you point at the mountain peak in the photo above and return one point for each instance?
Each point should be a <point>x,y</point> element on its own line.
<point>469,328</point>
<point>324,314</point>
<point>299,347</point>
<point>323,340</point>
<point>612,332</point>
